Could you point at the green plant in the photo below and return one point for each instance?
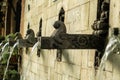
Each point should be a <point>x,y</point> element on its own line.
<point>6,55</point>
<point>11,74</point>
<point>2,38</point>
<point>11,36</point>
<point>8,49</point>
<point>5,58</point>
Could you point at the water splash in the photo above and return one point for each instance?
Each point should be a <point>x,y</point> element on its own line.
<point>28,65</point>
<point>1,44</point>
<point>0,49</point>
<point>3,48</point>
<point>112,47</point>
<point>8,61</point>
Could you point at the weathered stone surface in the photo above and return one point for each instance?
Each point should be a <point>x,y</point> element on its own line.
<point>75,3</point>
<point>71,69</point>
<point>78,19</point>
<point>91,56</point>
<point>75,64</point>
<point>109,75</point>
<point>49,26</point>
<point>84,59</point>
<point>93,10</point>
<point>84,77</point>
<point>114,13</point>
<point>116,76</point>
<point>77,57</point>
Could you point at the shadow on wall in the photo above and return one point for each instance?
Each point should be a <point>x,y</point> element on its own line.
<point>68,62</point>
<point>115,61</point>
<point>67,56</point>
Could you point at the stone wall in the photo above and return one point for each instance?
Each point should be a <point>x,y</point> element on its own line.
<point>75,64</point>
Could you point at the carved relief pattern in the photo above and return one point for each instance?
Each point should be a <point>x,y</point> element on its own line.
<point>74,41</point>
<point>101,27</point>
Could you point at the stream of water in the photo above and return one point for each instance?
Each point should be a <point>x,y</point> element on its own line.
<point>29,60</point>
<point>111,48</point>
<point>3,48</point>
<point>9,60</point>
<point>1,44</point>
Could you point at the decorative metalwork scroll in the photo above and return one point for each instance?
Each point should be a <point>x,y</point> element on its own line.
<point>62,40</point>
<point>73,41</point>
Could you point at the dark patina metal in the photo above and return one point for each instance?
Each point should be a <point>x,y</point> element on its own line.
<point>61,17</point>
<point>101,28</point>
<point>38,37</point>
<point>62,40</point>
<point>73,41</point>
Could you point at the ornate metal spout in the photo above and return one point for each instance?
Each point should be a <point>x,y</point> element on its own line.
<point>30,36</point>
<point>29,40</point>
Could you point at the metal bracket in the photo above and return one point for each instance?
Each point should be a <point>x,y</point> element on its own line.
<point>30,38</point>
<point>38,37</point>
<point>101,26</point>
<point>73,41</point>
<point>62,40</point>
<point>61,17</point>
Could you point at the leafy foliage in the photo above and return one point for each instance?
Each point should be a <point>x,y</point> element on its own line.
<point>12,74</point>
